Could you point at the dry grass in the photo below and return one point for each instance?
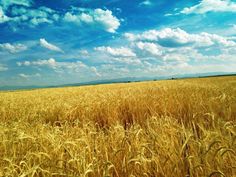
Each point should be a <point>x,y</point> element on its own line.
<point>165,128</point>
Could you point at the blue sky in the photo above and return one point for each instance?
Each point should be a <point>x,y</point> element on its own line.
<point>70,41</point>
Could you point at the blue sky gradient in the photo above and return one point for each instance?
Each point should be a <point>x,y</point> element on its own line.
<point>71,41</point>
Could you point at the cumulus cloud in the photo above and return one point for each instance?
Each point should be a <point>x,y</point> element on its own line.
<point>21,13</point>
<point>49,46</point>
<point>175,47</point>
<point>12,48</point>
<point>168,47</point>
<point>34,17</point>
<point>116,52</point>
<point>149,47</point>
<point>211,6</point>
<point>100,18</point>
<point>179,38</point>
<point>27,16</point>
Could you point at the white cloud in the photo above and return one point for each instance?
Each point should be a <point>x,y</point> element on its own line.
<point>7,3</point>
<point>69,17</point>
<point>94,69</point>
<point>157,49</point>
<point>169,68</point>
<point>12,48</point>
<point>99,18</point>
<point>127,61</point>
<point>21,13</point>
<point>116,52</point>
<point>185,68</point>
<point>176,57</point>
<point>168,15</point>
<point>146,3</point>
<point>37,21</point>
<point>3,68</point>
<point>53,64</point>
<point>216,39</point>
<point>175,37</point>
<point>166,47</point>
<point>151,35</point>
<point>211,6</point>
<point>27,16</point>
<point>61,67</point>
<point>25,63</point>
<point>84,52</point>
<point>3,17</point>
<point>23,75</point>
<point>149,47</point>
<point>106,19</point>
<point>27,76</point>
<point>179,38</point>
<point>49,46</point>
<point>50,63</point>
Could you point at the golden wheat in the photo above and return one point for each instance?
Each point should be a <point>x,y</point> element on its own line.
<point>164,128</point>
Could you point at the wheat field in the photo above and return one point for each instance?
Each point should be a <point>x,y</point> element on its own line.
<point>178,128</point>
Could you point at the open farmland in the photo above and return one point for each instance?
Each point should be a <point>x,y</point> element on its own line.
<point>164,128</point>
